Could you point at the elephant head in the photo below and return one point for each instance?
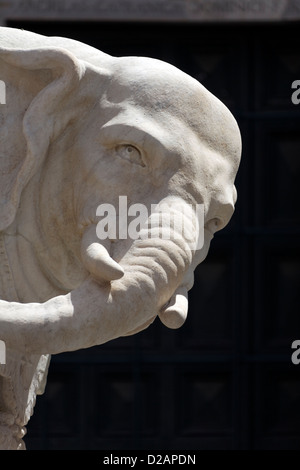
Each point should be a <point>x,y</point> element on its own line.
<point>81,129</point>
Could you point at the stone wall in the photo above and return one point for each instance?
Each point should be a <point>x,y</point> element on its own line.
<point>151,10</point>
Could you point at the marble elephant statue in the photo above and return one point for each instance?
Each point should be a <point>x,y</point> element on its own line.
<point>80,128</point>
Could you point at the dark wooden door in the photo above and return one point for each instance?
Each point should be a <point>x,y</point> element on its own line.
<point>226,379</point>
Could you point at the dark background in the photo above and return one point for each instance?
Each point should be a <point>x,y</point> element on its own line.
<point>226,379</point>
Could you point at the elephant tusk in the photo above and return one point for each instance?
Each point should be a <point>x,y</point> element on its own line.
<point>101,266</point>
<point>97,260</point>
<point>174,315</point>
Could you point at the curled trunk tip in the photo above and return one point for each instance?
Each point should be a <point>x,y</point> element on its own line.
<point>175,313</point>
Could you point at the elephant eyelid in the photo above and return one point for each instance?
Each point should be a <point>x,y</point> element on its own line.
<point>152,148</point>
<point>130,152</point>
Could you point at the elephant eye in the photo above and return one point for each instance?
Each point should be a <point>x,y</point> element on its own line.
<point>131,153</point>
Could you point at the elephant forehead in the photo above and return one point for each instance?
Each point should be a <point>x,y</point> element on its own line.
<point>169,95</point>
<point>159,128</point>
<point>154,85</point>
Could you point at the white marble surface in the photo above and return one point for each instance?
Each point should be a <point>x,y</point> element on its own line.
<point>79,129</point>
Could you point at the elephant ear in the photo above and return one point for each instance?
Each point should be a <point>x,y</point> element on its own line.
<point>38,85</point>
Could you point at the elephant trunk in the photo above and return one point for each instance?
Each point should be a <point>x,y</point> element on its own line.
<point>153,284</point>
